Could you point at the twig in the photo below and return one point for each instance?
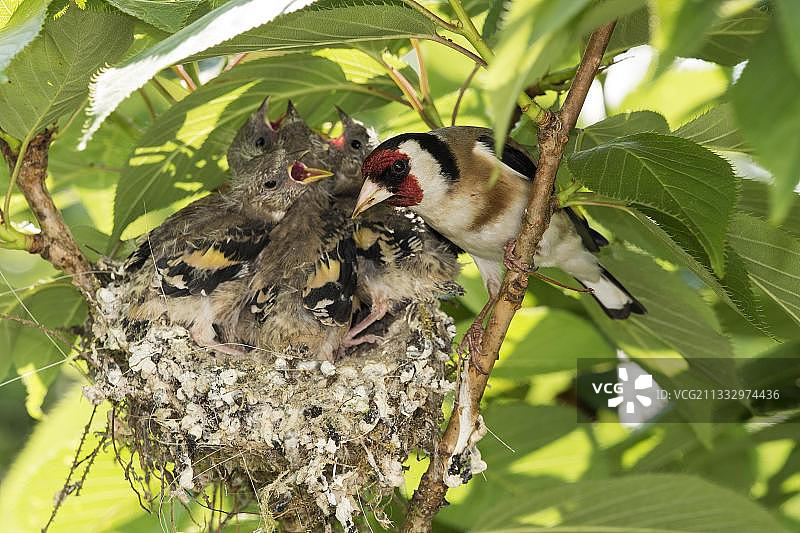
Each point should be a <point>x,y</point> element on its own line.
<point>32,324</point>
<point>68,488</point>
<point>461,92</point>
<point>55,243</point>
<point>235,60</point>
<point>182,74</point>
<point>553,135</point>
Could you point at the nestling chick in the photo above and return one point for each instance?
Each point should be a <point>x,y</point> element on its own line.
<point>181,267</point>
<point>347,151</point>
<point>399,260</point>
<point>302,293</point>
<point>444,177</point>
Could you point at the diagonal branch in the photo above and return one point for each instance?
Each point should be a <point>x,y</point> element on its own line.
<point>465,422</point>
<point>55,243</point>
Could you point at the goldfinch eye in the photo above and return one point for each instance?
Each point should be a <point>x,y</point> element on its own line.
<point>355,144</point>
<point>261,142</point>
<point>400,167</point>
<point>271,184</point>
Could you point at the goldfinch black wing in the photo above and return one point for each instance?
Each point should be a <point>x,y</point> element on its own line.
<point>331,285</point>
<point>591,238</point>
<point>205,263</point>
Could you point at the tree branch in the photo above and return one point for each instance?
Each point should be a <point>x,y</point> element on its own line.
<point>55,243</point>
<point>465,419</point>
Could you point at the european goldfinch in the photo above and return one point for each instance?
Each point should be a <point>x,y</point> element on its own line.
<point>444,176</point>
<point>181,268</point>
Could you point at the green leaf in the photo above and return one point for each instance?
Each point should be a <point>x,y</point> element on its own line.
<point>543,30</point>
<point>498,9</point>
<point>668,174</point>
<point>325,24</point>
<point>773,126</point>
<point>665,503</point>
<point>56,307</point>
<point>687,29</point>
<point>636,228</point>
<point>331,23</point>
<point>39,471</point>
<point>788,17</point>
<point>730,41</point>
<point>716,129</point>
<point>168,15</point>
<point>542,340</point>
<point>18,28</point>
<point>49,78</point>
<point>677,316</point>
<point>185,147</point>
<point>631,30</point>
<point>754,199</point>
<point>620,125</point>
<point>772,259</point>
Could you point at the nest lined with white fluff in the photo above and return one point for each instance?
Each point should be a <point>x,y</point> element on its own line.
<point>315,443</point>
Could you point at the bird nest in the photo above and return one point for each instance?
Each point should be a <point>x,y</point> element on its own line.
<point>314,443</point>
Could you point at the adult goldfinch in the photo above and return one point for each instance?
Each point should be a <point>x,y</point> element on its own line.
<point>445,177</point>
<point>182,267</point>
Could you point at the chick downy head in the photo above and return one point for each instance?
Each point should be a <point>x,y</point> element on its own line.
<point>254,139</point>
<point>272,182</point>
<point>349,149</point>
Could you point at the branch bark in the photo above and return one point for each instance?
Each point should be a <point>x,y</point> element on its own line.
<point>553,135</point>
<point>55,243</point>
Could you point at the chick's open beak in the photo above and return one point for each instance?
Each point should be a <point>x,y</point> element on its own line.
<point>301,173</point>
<point>371,194</point>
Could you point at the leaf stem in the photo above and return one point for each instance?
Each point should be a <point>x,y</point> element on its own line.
<point>424,86</point>
<point>147,102</point>
<point>458,48</point>
<point>163,90</point>
<point>408,90</point>
<point>12,179</point>
<point>528,106</point>
<point>461,91</point>
<point>182,74</point>
<point>427,13</point>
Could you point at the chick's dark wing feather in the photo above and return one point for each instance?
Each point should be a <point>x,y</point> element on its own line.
<point>205,263</point>
<point>331,285</point>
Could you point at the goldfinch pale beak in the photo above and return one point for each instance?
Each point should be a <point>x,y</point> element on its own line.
<point>301,173</point>
<point>371,194</point>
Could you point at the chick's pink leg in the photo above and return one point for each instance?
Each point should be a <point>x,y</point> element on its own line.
<point>378,311</point>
